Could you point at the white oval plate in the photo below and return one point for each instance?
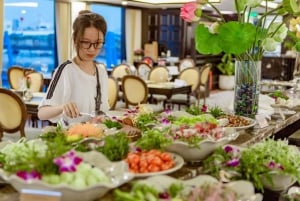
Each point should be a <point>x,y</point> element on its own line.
<point>251,124</point>
<point>178,164</point>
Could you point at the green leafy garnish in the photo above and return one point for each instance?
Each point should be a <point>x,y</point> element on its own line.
<point>153,139</point>
<point>115,147</point>
<point>112,124</point>
<point>35,155</point>
<point>216,111</point>
<point>194,110</point>
<point>278,94</point>
<point>143,120</point>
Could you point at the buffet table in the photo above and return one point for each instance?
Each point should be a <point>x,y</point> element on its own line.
<point>277,128</point>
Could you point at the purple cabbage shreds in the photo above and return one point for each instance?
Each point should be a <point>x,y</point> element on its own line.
<point>233,163</point>
<point>29,175</point>
<point>164,195</point>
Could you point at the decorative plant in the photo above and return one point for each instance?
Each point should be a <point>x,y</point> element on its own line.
<point>226,66</point>
<point>243,38</point>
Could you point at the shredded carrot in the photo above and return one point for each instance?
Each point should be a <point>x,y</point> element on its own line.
<point>85,130</point>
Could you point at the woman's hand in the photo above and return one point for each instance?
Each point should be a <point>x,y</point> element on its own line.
<point>98,119</point>
<point>71,110</point>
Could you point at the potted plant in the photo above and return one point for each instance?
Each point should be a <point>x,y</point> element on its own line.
<point>226,67</point>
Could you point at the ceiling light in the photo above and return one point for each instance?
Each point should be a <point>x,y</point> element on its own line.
<point>124,3</point>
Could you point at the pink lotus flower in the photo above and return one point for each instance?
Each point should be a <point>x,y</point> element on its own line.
<point>68,162</point>
<point>29,175</point>
<point>190,12</point>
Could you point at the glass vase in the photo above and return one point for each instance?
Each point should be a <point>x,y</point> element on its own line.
<point>247,88</point>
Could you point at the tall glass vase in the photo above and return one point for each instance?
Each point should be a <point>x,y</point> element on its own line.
<point>247,87</point>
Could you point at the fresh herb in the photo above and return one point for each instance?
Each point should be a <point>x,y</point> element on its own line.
<point>216,111</point>
<point>153,139</point>
<point>278,94</point>
<point>143,120</point>
<point>112,124</point>
<point>194,110</point>
<point>115,147</point>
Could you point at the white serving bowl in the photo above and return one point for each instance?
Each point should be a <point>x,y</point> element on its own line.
<point>244,189</point>
<point>279,182</point>
<point>205,147</point>
<point>117,172</point>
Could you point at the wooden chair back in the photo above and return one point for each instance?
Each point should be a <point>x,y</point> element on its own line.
<point>13,113</point>
<point>143,70</point>
<point>16,74</point>
<point>186,63</point>
<point>113,92</point>
<point>191,76</point>
<point>120,71</point>
<point>204,76</point>
<point>135,90</point>
<point>159,74</point>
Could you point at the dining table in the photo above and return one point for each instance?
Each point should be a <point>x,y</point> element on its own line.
<point>169,89</point>
<point>32,106</point>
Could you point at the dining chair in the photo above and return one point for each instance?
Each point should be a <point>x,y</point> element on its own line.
<point>13,113</point>
<point>191,76</point>
<point>120,71</point>
<point>203,91</point>
<point>136,92</point>
<point>143,70</point>
<point>186,63</point>
<point>15,76</point>
<point>159,74</point>
<point>113,92</point>
<point>36,81</point>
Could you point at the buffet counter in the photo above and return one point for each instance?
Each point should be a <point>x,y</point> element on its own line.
<point>277,128</point>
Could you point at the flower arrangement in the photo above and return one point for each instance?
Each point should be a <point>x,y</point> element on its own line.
<point>262,159</point>
<point>250,38</point>
<point>246,39</point>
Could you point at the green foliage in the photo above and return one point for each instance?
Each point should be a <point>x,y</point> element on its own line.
<point>153,139</point>
<point>112,124</point>
<point>115,147</point>
<point>194,110</point>
<point>35,155</point>
<point>278,94</point>
<point>143,120</point>
<point>216,111</point>
<point>226,66</point>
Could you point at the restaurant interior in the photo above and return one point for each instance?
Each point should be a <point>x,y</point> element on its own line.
<point>181,126</point>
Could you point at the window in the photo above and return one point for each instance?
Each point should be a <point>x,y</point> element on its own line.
<point>113,51</point>
<point>29,36</point>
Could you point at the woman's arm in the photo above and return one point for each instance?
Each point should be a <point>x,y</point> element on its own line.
<point>48,112</point>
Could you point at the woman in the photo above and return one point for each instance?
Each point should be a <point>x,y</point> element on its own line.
<point>79,86</point>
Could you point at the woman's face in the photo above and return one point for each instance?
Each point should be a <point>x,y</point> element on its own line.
<point>90,44</point>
